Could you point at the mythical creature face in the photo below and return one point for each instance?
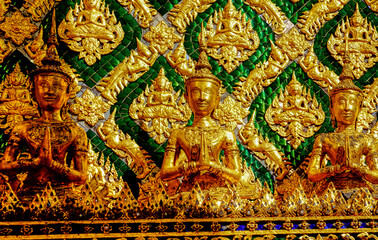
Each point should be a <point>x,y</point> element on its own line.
<point>346,107</point>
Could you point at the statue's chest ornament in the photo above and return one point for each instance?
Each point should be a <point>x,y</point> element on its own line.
<point>60,133</point>
<point>202,141</point>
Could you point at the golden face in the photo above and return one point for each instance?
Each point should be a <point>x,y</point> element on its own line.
<point>51,91</point>
<point>202,96</point>
<point>346,107</point>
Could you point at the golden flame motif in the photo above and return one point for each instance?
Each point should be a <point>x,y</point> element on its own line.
<point>159,109</point>
<point>180,61</point>
<point>230,113</point>
<point>293,43</point>
<point>91,29</point>
<point>294,114</point>
<point>360,39</point>
<point>37,48</point>
<point>186,11</point>
<point>89,108</point>
<point>142,8</point>
<point>5,49</point>
<point>16,103</point>
<point>312,21</point>
<point>18,28</point>
<point>39,8</point>
<point>129,70</point>
<point>122,144</point>
<point>229,37</point>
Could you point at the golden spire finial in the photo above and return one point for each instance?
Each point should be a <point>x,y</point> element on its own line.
<point>357,19</point>
<point>229,10</point>
<point>203,70</point>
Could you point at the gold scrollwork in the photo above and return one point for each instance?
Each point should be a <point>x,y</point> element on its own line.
<point>264,149</point>
<point>262,76</point>
<point>180,61</point>
<point>294,114</point>
<point>91,29</point>
<point>122,144</point>
<point>36,49</point>
<point>317,71</point>
<point>185,12</point>
<point>142,8</point>
<point>17,27</point>
<point>229,37</point>
<point>311,21</point>
<point>271,13</point>
<point>39,8</point>
<point>230,113</point>
<point>162,37</point>
<point>373,4</point>
<point>158,109</point>
<point>89,108</point>
<point>16,103</point>
<point>293,43</point>
<point>5,49</point>
<point>360,39</point>
<point>4,5</point>
<point>129,70</point>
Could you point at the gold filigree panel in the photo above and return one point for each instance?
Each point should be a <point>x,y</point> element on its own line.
<point>91,30</point>
<point>39,8</point>
<point>142,9</point>
<point>230,113</point>
<point>294,114</point>
<point>180,61</point>
<point>229,37</point>
<point>162,37</point>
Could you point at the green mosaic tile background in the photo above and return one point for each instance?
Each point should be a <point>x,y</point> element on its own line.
<point>93,74</point>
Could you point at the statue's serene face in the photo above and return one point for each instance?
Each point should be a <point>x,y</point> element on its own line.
<point>346,107</point>
<point>203,97</point>
<point>51,91</point>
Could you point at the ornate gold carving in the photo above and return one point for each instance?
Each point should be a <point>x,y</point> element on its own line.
<point>186,11</point>
<point>4,5</point>
<point>229,37</point>
<point>129,70</point>
<point>17,27</point>
<point>264,149</point>
<point>294,114</point>
<point>90,29</point>
<point>5,49</point>
<point>262,76</point>
<point>180,61</point>
<point>16,103</point>
<point>37,48</point>
<point>136,158</point>
<point>89,108</point>
<point>293,43</point>
<point>230,113</point>
<point>162,37</point>
<point>272,14</point>
<point>373,4</point>
<point>317,71</point>
<point>142,8</point>
<point>39,8</point>
<point>311,21</point>
<point>158,109</point>
<point>359,38</point>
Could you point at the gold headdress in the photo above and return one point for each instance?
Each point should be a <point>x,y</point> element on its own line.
<point>203,71</point>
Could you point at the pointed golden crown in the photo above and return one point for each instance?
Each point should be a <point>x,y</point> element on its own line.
<point>203,71</point>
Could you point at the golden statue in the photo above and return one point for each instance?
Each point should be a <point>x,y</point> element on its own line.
<point>194,151</point>
<point>352,155</point>
<point>51,137</point>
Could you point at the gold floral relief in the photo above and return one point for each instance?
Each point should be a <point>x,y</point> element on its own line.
<point>129,70</point>
<point>317,71</point>
<point>262,76</point>
<point>4,5</point>
<point>142,8</point>
<point>91,29</point>
<point>180,61</point>
<point>230,113</point>
<point>294,114</point>
<point>373,4</point>
<point>293,43</point>
<point>122,144</point>
<point>89,108</point>
<point>312,21</point>
<point>162,37</point>
<point>39,8</point>
<point>16,102</point>
<point>18,28</point>
<point>360,39</point>
<point>263,148</point>
<point>5,49</point>
<point>229,37</point>
<point>186,11</point>
<point>159,109</point>
<point>272,14</point>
